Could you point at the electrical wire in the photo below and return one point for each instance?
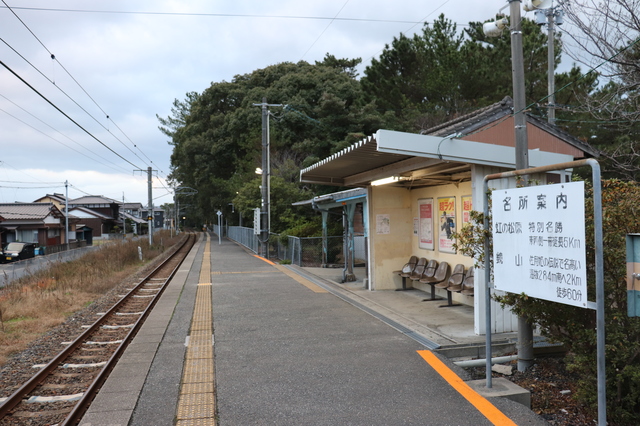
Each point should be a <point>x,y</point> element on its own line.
<point>219,15</point>
<point>63,113</point>
<point>323,31</point>
<point>51,137</point>
<point>53,57</point>
<point>71,98</point>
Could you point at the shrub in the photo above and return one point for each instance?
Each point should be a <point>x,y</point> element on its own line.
<point>576,327</point>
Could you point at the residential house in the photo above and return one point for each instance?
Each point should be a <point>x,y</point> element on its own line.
<point>158,217</point>
<point>133,214</point>
<point>106,217</point>
<point>41,223</point>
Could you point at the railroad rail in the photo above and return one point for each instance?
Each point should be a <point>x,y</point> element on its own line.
<point>54,395</point>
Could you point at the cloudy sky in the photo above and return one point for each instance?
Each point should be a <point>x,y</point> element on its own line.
<point>131,59</point>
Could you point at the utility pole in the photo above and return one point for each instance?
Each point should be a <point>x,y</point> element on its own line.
<point>551,77</point>
<point>265,208</point>
<point>66,213</point>
<point>525,330</point>
<point>124,220</point>
<point>150,181</point>
<point>150,203</point>
<point>550,17</point>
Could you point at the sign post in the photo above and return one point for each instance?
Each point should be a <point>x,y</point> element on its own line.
<point>572,278</point>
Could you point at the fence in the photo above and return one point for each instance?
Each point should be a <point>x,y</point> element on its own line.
<point>64,247</point>
<point>13,271</point>
<point>299,251</point>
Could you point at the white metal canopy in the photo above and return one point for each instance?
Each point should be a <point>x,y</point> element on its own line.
<point>421,159</point>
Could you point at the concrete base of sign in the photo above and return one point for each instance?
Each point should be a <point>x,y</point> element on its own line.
<point>502,387</point>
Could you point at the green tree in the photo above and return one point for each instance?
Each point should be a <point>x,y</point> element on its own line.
<point>441,73</point>
<point>217,134</point>
<point>419,75</point>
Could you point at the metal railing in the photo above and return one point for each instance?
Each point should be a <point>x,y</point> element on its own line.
<point>299,251</point>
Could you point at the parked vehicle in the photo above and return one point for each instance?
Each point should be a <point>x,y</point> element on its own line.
<point>18,251</point>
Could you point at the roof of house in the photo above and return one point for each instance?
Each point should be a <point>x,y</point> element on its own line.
<point>483,117</point>
<point>55,196</point>
<point>93,199</point>
<point>83,212</point>
<point>132,206</point>
<point>132,218</point>
<point>28,211</point>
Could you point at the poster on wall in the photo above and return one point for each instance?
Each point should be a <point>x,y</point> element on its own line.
<point>446,223</point>
<point>467,206</point>
<point>383,224</point>
<point>425,210</point>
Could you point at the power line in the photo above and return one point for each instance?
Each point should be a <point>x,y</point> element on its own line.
<point>53,57</point>
<point>218,15</point>
<point>325,29</point>
<point>51,137</point>
<point>63,113</point>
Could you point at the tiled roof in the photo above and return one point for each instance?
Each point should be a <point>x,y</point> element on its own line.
<point>28,211</point>
<point>469,123</point>
<point>84,212</point>
<point>94,199</point>
<point>58,197</point>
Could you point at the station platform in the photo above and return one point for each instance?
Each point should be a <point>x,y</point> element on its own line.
<point>238,340</point>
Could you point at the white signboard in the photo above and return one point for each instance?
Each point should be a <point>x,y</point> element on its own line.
<point>256,221</point>
<point>539,242</point>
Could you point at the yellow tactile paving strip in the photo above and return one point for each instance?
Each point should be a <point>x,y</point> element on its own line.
<point>196,405</point>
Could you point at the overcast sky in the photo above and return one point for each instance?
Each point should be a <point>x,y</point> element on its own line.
<point>133,58</point>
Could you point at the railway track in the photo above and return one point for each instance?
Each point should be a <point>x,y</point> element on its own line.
<point>61,390</point>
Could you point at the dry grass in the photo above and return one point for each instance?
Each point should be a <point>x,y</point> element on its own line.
<point>31,306</point>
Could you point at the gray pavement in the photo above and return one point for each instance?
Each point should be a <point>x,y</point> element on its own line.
<point>287,355</point>
<point>297,348</point>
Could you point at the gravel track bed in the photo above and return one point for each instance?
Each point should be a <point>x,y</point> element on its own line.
<point>19,367</point>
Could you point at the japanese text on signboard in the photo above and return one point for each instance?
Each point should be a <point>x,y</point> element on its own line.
<point>539,242</point>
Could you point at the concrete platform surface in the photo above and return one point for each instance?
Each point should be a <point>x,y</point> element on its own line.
<point>294,346</point>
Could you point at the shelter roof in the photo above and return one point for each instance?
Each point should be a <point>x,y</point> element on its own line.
<point>418,160</point>
<point>336,197</point>
<point>445,153</point>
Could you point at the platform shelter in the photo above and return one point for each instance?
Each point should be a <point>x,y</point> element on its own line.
<point>421,187</point>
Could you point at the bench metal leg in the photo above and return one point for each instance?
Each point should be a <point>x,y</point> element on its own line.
<point>404,285</point>
<point>449,301</point>
<point>433,294</point>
